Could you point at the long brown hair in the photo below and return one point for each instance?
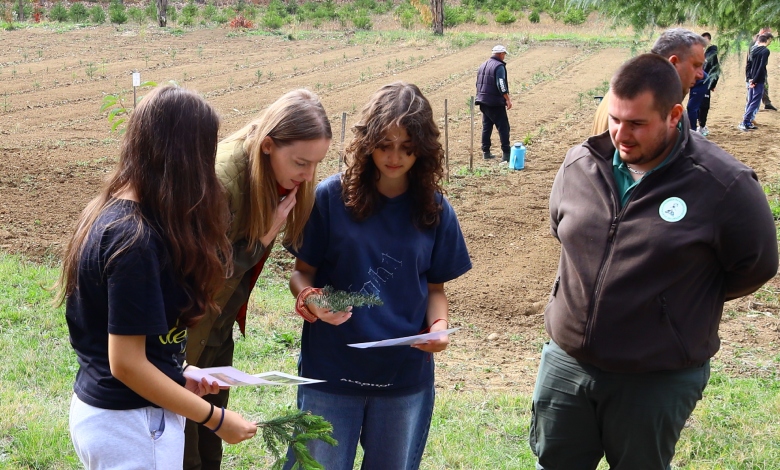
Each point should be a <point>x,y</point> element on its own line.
<point>167,158</point>
<point>296,116</point>
<point>397,104</point>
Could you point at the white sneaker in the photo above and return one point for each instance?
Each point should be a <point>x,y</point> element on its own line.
<point>704,131</point>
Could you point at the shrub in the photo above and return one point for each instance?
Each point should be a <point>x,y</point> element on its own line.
<point>575,16</point>
<point>453,16</point>
<point>272,20</point>
<point>533,17</point>
<point>172,13</point>
<point>209,11</point>
<point>251,12</point>
<point>221,18</point>
<point>58,13</point>
<point>407,19</point>
<point>137,15</point>
<point>116,12</point>
<point>151,10</point>
<point>97,15</point>
<point>78,12</point>
<point>505,17</point>
<point>190,10</point>
<point>362,21</point>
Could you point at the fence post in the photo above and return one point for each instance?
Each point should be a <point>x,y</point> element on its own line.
<point>343,131</point>
<point>471,118</point>
<point>446,142</point>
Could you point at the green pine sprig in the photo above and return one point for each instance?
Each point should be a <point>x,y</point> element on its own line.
<point>339,300</point>
<point>294,430</point>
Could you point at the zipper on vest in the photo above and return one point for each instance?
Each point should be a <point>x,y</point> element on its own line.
<point>599,281</point>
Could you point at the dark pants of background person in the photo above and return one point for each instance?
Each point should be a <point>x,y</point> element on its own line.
<point>581,413</point>
<point>203,448</point>
<point>753,102</point>
<point>765,95</point>
<point>695,97</point>
<point>495,115</point>
<point>704,109</point>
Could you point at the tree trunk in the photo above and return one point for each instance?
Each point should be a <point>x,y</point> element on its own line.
<point>162,13</point>
<point>437,11</point>
<point>20,13</point>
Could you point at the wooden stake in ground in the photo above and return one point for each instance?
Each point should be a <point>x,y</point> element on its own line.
<point>341,145</point>
<point>446,142</point>
<point>471,118</point>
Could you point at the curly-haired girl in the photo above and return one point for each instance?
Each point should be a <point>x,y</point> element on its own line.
<point>383,228</point>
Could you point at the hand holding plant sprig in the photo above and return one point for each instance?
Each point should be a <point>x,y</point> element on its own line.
<point>294,430</point>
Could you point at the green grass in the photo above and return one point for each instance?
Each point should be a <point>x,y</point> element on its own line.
<point>734,427</point>
<point>772,191</point>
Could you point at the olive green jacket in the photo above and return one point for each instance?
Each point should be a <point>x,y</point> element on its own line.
<point>215,328</point>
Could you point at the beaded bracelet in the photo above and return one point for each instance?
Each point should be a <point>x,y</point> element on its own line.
<point>300,304</point>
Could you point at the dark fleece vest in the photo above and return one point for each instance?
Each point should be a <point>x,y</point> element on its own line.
<point>487,91</point>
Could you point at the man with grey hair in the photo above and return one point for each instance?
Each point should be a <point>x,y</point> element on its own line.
<point>684,49</point>
<point>494,101</point>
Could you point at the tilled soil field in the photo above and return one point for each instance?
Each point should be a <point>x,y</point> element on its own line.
<point>56,147</point>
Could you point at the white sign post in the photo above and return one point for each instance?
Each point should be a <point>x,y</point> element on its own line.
<point>136,83</point>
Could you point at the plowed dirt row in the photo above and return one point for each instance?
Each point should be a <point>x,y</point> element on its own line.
<point>55,148</point>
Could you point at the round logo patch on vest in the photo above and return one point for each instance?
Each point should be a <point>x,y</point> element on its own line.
<point>673,209</point>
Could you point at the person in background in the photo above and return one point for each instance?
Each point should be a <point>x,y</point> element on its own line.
<point>712,70</point>
<point>658,228</point>
<point>684,49</point>
<point>765,95</point>
<point>755,75</point>
<point>144,263</point>
<point>494,101</point>
<point>383,227</point>
<point>268,169</point>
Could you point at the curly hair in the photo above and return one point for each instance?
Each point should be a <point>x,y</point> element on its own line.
<point>397,104</point>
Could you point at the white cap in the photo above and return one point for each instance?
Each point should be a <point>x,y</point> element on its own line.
<point>499,49</point>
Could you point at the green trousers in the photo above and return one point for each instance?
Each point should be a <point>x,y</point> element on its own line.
<point>581,414</point>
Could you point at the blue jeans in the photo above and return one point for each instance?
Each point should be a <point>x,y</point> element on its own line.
<point>392,430</point>
<point>581,413</point>
<point>695,97</point>
<point>753,102</point>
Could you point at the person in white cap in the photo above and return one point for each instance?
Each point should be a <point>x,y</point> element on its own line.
<point>493,100</point>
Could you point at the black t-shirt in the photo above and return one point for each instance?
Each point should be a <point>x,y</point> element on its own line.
<point>135,293</point>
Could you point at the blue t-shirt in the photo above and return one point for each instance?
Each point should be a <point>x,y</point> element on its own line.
<point>135,293</point>
<point>385,255</point>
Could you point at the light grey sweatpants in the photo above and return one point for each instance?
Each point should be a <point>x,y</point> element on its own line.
<point>141,439</point>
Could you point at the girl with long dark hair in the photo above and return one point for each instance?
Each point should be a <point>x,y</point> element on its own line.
<point>145,262</point>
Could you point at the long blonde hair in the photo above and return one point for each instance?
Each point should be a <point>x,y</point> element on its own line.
<point>296,116</point>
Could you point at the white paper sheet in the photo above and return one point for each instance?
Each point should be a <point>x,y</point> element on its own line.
<point>404,341</point>
<point>232,377</point>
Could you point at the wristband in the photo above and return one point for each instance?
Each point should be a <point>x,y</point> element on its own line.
<point>221,420</point>
<point>435,322</point>
<point>300,304</point>
<point>211,413</point>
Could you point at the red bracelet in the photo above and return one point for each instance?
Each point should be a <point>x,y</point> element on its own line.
<point>435,322</point>
<point>300,304</point>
